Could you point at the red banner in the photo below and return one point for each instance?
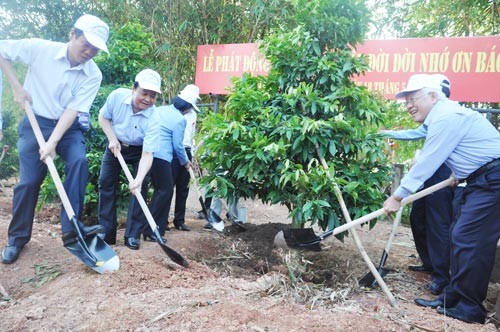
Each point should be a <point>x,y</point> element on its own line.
<point>217,64</point>
<point>471,63</point>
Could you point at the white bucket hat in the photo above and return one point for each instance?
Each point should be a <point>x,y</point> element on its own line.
<point>95,30</point>
<point>148,79</point>
<point>191,94</point>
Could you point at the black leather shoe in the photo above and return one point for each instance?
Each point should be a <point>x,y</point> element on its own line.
<point>69,238</point>
<point>109,239</point>
<point>208,226</point>
<point>434,288</point>
<point>430,303</point>
<point>167,229</point>
<point>421,268</point>
<point>92,230</point>
<point>10,254</point>
<point>152,238</point>
<point>182,228</point>
<point>132,243</point>
<point>457,314</point>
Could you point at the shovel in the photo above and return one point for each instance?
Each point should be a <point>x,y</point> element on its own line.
<point>171,253</point>
<point>306,238</point>
<point>234,222</point>
<point>218,224</point>
<point>369,280</point>
<point>4,151</point>
<point>92,251</point>
<point>355,236</point>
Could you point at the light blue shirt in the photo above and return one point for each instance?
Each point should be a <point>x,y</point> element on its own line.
<point>141,128</point>
<point>407,134</point>
<point>458,136</point>
<point>51,81</point>
<point>172,127</point>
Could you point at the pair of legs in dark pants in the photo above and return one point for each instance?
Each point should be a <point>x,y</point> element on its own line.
<point>181,183</point>
<point>431,218</point>
<point>108,182</point>
<point>71,148</point>
<point>474,237</point>
<point>163,184</point>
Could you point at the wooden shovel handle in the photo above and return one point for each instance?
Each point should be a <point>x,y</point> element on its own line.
<point>50,163</point>
<point>137,193</point>
<point>407,200</point>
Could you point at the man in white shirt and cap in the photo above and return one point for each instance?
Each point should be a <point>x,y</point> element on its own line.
<point>61,84</point>
<point>470,146</point>
<point>131,127</point>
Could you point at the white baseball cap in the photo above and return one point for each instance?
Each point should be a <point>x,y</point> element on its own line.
<point>95,30</point>
<point>191,94</point>
<point>418,82</point>
<point>148,79</point>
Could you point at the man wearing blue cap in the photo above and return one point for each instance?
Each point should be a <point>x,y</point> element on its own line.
<point>61,84</point>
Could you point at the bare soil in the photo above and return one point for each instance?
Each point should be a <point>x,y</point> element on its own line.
<point>236,281</point>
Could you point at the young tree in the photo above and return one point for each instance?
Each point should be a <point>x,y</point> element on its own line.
<point>264,143</point>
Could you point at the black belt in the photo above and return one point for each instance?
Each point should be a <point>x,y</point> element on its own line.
<point>483,169</point>
<point>125,145</point>
<point>45,120</point>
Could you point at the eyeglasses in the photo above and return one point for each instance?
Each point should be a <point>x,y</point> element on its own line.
<point>414,99</point>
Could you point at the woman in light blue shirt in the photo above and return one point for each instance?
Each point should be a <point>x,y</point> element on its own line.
<point>171,137</point>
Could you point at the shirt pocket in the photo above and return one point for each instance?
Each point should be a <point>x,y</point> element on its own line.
<point>64,95</point>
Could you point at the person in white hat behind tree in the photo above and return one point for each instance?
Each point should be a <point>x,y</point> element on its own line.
<point>191,94</point>
<point>128,119</point>
<point>61,83</point>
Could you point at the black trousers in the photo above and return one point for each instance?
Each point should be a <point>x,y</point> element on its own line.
<point>181,183</point>
<point>162,180</point>
<point>431,218</point>
<point>108,182</point>
<point>474,238</point>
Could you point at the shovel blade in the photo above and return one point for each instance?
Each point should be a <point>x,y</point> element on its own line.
<point>369,280</point>
<point>216,221</point>
<point>302,238</point>
<point>96,254</point>
<point>171,253</point>
<point>174,255</point>
<point>215,218</point>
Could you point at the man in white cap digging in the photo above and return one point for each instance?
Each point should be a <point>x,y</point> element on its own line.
<point>431,216</point>
<point>470,146</point>
<point>61,84</point>
<point>128,119</point>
